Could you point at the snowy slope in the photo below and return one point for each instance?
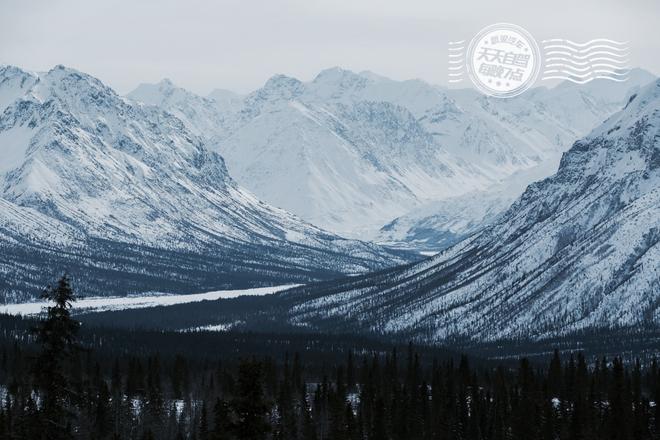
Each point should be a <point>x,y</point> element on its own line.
<point>108,175</point>
<point>437,225</point>
<point>580,249</point>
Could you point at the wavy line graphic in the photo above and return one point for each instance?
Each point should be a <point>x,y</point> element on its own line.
<point>456,61</point>
<point>585,44</point>
<point>586,56</point>
<point>588,74</point>
<point>589,67</point>
<point>587,49</point>
<point>600,58</point>
<point>568,78</point>
<point>587,63</point>
<point>598,69</point>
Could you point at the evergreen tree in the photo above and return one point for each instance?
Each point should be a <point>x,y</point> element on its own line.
<point>153,407</point>
<point>56,336</point>
<point>203,424</point>
<point>350,372</point>
<point>619,414</point>
<point>307,429</point>
<point>222,423</point>
<point>554,375</point>
<point>249,404</point>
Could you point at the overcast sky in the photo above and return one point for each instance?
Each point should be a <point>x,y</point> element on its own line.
<point>239,44</point>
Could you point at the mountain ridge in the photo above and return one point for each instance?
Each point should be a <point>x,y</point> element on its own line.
<point>317,148</point>
<point>124,174</point>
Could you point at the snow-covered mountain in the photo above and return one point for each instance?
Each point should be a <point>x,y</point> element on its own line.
<point>128,193</point>
<point>204,117</point>
<point>337,159</point>
<point>580,249</point>
<point>437,225</point>
<point>353,152</point>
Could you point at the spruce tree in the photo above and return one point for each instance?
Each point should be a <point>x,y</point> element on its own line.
<point>307,428</point>
<point>249,405</point>
<point>222,423</point>
<point>56,335</point>
<point>203,424</point>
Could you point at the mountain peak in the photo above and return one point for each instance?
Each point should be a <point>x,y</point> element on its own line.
<point>14,82</point>
<point>160,92</point>
<point>334,73</point>
<point>282,82</point>
<point>372,76</point>
<point>61,71</point>
<point>61,75</point>
<point>336,82</point>
<point>7,70</point>
<point>337,75</point>
<point>278,87</point>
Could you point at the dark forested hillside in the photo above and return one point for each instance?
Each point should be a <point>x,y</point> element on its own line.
<point>259,314</point>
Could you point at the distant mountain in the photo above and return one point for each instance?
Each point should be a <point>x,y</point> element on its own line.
<point>226,100</point>
<point>578,250</point>
<point>437,225</point>
<point>353,152</point>
<point>328,152</point>
<point>345,166</point>
<point>204,117</point>
<point>129,199</point>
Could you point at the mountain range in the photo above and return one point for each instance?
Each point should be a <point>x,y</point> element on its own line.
<point>370,157</point>
<point>129,199</point>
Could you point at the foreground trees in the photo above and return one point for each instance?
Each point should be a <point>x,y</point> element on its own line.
<point>56,336</point>
<point>58,389</point>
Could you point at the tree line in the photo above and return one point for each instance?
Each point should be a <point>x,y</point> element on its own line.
<point>56,387</point>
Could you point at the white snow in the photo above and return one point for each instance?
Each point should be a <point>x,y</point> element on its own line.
<point>13,147</point>
<point>97,304</point>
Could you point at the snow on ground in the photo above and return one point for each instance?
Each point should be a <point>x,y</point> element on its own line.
<point>213,327</point>
<point>136,302</point>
